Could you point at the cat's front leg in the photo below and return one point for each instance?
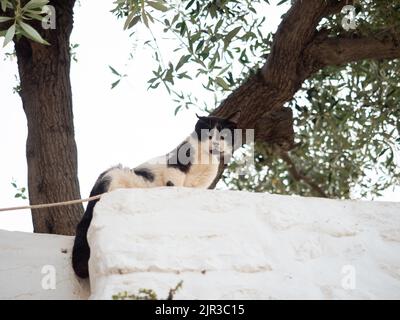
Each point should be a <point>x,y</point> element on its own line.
<point>201,176</point>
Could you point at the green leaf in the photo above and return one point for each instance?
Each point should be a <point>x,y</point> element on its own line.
<point>175,18</point>
<point>383,152</point>
<point>177,110</point>
<point>224,70</point>
<point>4,5</point>
<point>128,19</point>
<point>199,45</point>
<point>33,15</point>
<point>182,61</point>
<point>35,4</point>
<point>144,18</point>
<point>218,25</point>
<point>31,33</point>
<point>169,75</point>
<point>39,2</point>
<point>9,35</point>
<point>222,83</point>
<point>189,4</point>
<point>115,71</point>
<point>184,75</point>
<point>4,19</point>
<point>150,17</point>
<point>133,22</point>
<point>231,34</point>
<point>157,5</point>
<point>281,2</point>
<point>115,83</point>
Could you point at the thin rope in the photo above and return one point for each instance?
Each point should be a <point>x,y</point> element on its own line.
<point>51,205</point>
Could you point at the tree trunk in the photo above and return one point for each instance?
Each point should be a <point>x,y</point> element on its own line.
<point>47,101</point>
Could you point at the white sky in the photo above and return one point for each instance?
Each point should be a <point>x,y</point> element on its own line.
<point>126,125</point>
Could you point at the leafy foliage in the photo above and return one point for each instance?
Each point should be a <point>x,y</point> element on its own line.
<point>346,118</point>
<point>143,294</point>
<point>347,123</point>
<point>119,76</point>
<point>147,294</point>
<point>20,192</point>
<point>219,42</point>
<point>348,135</point>
<point>72,49</point>
<point>18,16</point>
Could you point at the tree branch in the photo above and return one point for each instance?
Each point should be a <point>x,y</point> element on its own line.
<point>263,94</point>
<point>282,75</point>
<point>341,50</point>
<point>298,176</point>
<point>296,30</point>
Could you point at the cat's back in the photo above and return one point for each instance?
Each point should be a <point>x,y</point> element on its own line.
<point>124,177</point>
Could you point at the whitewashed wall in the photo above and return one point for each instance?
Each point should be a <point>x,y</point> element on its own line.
<point>240,245</point>
<point>221,244</point>
<point>28,263</point>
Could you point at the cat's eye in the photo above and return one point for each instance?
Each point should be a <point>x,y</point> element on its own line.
<point>209,137</point>
<point>222,138</point>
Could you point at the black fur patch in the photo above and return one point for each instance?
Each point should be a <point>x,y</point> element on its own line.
<point>103,174</point>
<point>170,184</point>
<point>182,157</point>
<point>81,250</point>
<point>211,123</point>
<point>145,174</point>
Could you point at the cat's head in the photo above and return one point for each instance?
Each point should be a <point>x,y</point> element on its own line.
<point>217,134</point>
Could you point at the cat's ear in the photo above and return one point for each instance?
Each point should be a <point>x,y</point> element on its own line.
<point>200,117</point>
<point>234,117</point>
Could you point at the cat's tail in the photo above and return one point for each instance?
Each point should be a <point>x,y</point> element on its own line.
<point>81,249</point>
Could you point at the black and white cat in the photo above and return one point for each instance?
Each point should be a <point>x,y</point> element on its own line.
<point>194,163</point>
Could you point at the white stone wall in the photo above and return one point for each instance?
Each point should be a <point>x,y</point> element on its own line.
<point>28,263</point>
<point>240,245</point>
<point>221,244</point>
